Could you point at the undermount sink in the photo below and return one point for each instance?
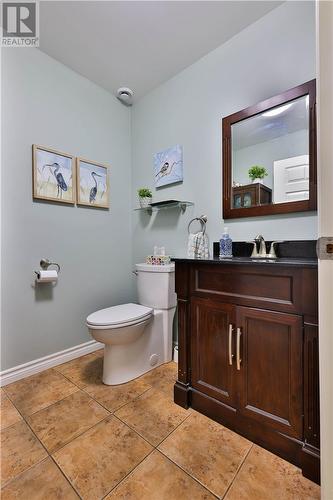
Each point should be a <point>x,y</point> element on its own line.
<point>272,261</point>
<point>250,259</point>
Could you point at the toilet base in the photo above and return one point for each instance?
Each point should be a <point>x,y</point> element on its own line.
<point>125,362</point>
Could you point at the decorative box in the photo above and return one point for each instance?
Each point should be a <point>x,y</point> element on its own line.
<point>158,260</point>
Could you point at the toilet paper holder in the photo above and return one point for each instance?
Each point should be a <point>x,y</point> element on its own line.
<point>45,264</point>
<point>46,275</point>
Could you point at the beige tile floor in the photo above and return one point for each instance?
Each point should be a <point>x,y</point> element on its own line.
<point>65,435</point>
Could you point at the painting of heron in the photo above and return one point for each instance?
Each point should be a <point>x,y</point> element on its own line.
<point>92,184</point>
<point>53,175</point>
<point>168,166</point>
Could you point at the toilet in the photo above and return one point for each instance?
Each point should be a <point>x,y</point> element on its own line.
<point>138,337</point>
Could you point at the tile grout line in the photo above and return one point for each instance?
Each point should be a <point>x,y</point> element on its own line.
<point>193,477</point>
<point>48,406</point>
<point>11,425</point>
<point>69,442</point>
<point>111,413</point>
<point>133,430</point>
<point>154,448</point>
<point>3,486</point>
<point>128,474</point>
<point>38,440</point>
<point>49,455</point>
<point>27,423</point>
<point>80,389</point>
<point>181,423</point>
<point>77,386</point>
<point>93,355</point>
<point>101,404</point>
<point>128,425</point>
<point>46,450</point>
<point>79,435</point>
<point>238,470</point>
<point>118,407</point>
<point>124,423</point>
<point>66,478</point>
<point>25,420</point>
<point>188,474</point>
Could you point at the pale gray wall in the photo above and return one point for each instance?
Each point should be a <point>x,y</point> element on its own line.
<point>268,57</point>
<point>46,103</point>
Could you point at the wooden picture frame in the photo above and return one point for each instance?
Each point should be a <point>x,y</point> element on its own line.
<point>92,186</point>
<point>306,89</point>
<point>53,175</point>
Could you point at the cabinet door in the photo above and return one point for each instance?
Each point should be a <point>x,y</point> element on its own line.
<point>213,349</point>
<point>270,368</point>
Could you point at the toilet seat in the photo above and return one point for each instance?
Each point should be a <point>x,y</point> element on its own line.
<point>119,316</point>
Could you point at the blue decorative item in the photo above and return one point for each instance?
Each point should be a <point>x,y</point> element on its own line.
<point>225,244</point>
<point>168,166</point>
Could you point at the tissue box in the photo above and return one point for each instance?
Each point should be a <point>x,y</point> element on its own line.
<point>158,260</point>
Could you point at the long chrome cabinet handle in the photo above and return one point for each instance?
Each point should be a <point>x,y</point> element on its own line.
<point>238,358</point>
<point>230,344</point>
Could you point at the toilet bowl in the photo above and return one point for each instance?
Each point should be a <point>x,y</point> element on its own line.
<point>137,337</point>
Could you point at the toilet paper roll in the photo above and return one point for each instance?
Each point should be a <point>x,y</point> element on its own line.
<point>47,276</point>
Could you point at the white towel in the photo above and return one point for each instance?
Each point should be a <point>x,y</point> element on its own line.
<point>198,246</point>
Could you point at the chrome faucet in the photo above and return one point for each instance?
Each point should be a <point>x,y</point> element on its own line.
<point>262,246</point>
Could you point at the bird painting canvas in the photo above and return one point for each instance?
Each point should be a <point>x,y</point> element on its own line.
<point>53,175</point>
<point>168,166</point>
<point>92,184</point>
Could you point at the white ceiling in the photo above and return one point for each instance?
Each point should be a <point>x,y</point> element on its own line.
<point>140,44</point>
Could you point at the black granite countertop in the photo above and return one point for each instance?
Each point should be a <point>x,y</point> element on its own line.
<point>301,253</point>
<point>291,261</point>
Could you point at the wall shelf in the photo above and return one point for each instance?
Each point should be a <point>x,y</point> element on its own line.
<point>166,205</point>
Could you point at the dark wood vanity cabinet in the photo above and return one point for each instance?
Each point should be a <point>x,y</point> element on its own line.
<point>248,353</point>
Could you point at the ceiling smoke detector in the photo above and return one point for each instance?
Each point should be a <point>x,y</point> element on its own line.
<point>125,95</point>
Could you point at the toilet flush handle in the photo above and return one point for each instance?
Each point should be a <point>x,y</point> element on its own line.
<point>135,272</point>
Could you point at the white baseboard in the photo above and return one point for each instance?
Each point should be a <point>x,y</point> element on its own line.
<point>38,365</point>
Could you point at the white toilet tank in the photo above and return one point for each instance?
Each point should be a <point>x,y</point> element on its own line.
<point>156,285</point>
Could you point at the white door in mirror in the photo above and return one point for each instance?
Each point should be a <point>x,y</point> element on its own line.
<point>291,179</point>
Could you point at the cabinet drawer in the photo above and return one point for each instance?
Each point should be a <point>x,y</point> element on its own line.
<point>260,286</point>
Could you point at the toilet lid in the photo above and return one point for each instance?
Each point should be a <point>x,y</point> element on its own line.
<point>118,315</point>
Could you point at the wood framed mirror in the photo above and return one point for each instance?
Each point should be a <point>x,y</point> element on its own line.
<point>269,156</point>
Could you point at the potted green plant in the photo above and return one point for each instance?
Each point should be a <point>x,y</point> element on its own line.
<point>145,197</point>
<point>257,173</point>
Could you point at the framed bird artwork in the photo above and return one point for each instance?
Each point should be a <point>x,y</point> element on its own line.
<point>92,183</point>
<point>53,175</point>
<point>168,166</point>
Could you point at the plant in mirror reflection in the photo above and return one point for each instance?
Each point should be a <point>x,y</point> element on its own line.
<point>257,172</point>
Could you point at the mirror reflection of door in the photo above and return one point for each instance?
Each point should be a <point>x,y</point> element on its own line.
<point>291,179</point>
<point>274,145</point>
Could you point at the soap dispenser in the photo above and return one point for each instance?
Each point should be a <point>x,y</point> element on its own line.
<point>225,244</point>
